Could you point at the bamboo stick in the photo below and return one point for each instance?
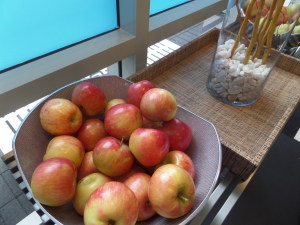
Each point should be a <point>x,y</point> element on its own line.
<point>243,27</point>
<point>240,19</point>
<point>254,32</point>
<point>264,32</point>
<point>262,27</point>
<point>279,5</point>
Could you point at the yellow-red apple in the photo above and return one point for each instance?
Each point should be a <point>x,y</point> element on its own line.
<point>111,203</point>
<point>138,183</point>
<point>114,102</point>
<point>171,191</point>
<point>87,166</point>
<point>65,146</point>
<point>85,188</point>
<point>181,159</point>
<point>136,91</point>
<point>122,119</point>
<point>60,116</point>
<point>53,181</point>
<point>112,157</point>
<point>89,97</point>
<point>179,133</point>
<point>91,131</point>
<point>158,104</point>
<point>149,146</point>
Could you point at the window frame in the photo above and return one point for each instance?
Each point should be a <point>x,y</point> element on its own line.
<point>128,45</point>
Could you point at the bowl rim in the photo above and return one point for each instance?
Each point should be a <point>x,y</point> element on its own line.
<point>41,207</point>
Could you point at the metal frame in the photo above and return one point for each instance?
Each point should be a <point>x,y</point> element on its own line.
<point>25,84</point>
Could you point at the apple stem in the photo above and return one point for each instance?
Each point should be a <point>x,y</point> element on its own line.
<point>183,198</point>
<point>148,204</point>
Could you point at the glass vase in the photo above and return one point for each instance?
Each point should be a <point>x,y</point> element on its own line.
<point>248,49</point>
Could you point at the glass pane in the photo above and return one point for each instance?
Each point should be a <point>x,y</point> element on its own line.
<point>29,29</point>
<point>157,6</point>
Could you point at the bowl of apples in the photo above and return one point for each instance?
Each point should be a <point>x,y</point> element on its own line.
<point>106,150</point>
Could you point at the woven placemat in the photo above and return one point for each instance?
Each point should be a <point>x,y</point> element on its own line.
<point>246,133</point>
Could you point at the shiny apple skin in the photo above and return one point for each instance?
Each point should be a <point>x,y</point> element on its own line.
<point>53,181</point>
<point>59,116</point>
<point>87,166</point>
<point>111,203</point>
<point>65,146</point>
<point>85,188</point>
<point>122,119</point>
<point>112,157</point>
<point>136,91</point>
<point>138,183</point>
<point>171,191</point>
<point>91,131</point>
<point>149,146</point>
<point>181,159</point>
<point>158,104</point>
<point>114,102</point>
<point>180,134</point>
<point>90,98</point>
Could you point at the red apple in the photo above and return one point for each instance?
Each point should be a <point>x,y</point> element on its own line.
<point>133,170</point>
<point>255,9</point>
<point>158,104</point>
<point>65,146</point>
<point>179,133</point>
<point>85,188</point>
<point>111,203</point>
<point>122,119</point>
<point>138,183</point>
<point>112,157</point>
<point>136,91</point>
<point>171,191</point>
<point>91,131</point>
<point>53,181</point>
<point>90,97</point>
<point>180,159</point>
<point>114,102</point>
<point>149,146</point>
<point>60,116</point>
<point>87,166</point>
<point>283,16</point>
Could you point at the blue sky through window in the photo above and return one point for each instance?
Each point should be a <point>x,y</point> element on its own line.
<point>29,29</point>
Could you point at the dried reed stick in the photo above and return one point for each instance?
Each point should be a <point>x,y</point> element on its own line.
<point>240,19</point>
<point>243,27</point>
<point>254,32</point>
<point>262,27</point>
<point>262,37</point>
<point>279,5</point>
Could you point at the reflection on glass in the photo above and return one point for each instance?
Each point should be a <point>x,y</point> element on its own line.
<point>33,28</point>
<point>157,6</point>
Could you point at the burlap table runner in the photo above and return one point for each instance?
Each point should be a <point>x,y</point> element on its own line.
<point>246,132</point>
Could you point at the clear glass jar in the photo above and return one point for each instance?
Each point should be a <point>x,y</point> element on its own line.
<point>247,51</point>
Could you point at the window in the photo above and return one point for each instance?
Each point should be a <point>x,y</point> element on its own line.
<point>68,61</point>
<point>30,29</point>
<point>157,6</point>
